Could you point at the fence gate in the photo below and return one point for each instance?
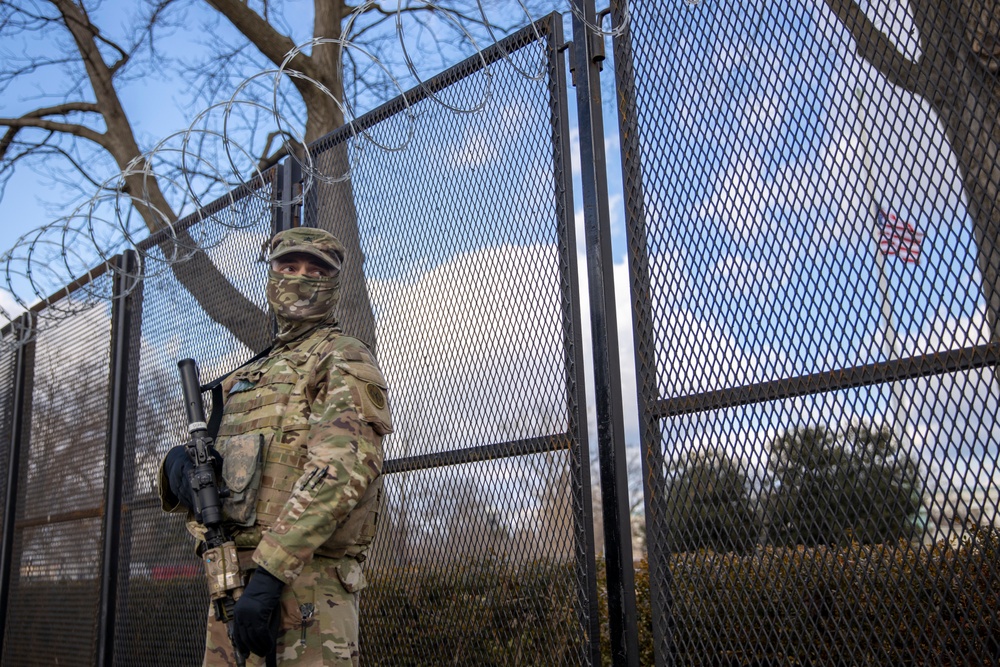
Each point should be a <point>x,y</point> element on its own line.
<point>470,255</point>
<point>812,225</point>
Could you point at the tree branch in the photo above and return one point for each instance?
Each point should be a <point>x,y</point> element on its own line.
<point>878,49</point>
<point>46,148</point>
<point>63,109</point>
<point>267,160</point>
<point>30,120</point>
<point>261,34</point>
<point>123,56</point>
<point>154,19</point>
<point>7,140</point>
<point>31,67</point>
<point>55,126</point>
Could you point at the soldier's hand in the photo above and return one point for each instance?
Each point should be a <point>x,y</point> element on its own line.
<point>252,615</point>
<point>177,465</point>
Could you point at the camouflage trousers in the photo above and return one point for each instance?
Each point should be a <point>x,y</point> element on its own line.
<point>319,619</point>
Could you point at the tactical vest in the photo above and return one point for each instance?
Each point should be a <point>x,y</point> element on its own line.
<point>265,427</point>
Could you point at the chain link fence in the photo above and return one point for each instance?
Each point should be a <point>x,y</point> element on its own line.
<point>812,224</point>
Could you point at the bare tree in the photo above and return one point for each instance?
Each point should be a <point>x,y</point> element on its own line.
<point>958,74</point>
<point>92,66</point>
<point>69,133</point>
<point>325,93</point>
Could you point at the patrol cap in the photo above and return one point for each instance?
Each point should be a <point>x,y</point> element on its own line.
<point>319,243</point>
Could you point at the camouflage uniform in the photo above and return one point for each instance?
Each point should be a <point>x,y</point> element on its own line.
<point>319,619</point>
<point>301,441</point>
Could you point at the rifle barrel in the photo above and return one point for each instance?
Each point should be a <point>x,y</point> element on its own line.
<point>192,395</point>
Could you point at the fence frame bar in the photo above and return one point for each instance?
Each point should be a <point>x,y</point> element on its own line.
<point>650,440</point>
<point>123,310</point>
<point>604,330</point>
<point>24,328</point>
<point>569,276</point>
<point>882,372</point>
<point>289,177</point>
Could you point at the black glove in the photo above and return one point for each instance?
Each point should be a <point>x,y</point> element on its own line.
<point>177,465</point>
<point>255,613</point>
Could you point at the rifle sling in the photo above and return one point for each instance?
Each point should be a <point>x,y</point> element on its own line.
<point>215,386</point>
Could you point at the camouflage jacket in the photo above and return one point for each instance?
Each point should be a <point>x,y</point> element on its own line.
<point>301,440</point>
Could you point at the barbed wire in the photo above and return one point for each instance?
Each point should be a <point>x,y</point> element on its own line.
<point>50,269</point>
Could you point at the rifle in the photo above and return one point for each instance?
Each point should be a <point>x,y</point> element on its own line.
<point>222,566</point>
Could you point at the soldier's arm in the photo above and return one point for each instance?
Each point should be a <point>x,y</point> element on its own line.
<point>344,456</point>
<point>168,501</point>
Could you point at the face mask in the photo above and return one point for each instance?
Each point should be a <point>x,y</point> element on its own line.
<point>301,300</point>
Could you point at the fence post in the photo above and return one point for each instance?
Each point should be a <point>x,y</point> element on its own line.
<point>287,213</point>
<point>123,303</point>
<point>20,426</point>
<point>573,340</point>
<point>604,328</point>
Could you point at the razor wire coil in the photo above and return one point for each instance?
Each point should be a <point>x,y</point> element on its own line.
<point>49,265</point>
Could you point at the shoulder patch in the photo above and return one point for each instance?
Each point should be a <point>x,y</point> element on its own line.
<point>375,393</point>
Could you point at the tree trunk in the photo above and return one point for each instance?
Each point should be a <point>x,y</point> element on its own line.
<point>957,74</point>
<point>336,212</point>
<point>221,301</point>
<point>974,133</point>
<point>329,206</point>
<point>218,297</point>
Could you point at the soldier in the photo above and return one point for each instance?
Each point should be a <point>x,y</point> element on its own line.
<point>300,448</point>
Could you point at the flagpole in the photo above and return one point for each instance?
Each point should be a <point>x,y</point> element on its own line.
<point>891,346</point>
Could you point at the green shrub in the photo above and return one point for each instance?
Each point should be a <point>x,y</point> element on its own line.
<point>890,604</point>
<point>489,613</point>
<point>897,604</point>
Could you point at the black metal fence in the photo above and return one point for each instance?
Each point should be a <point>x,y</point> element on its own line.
<point>485,552</point>
<point>812,227</point>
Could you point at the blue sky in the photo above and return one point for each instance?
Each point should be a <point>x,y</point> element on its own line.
<point>754,155</point>
<point>764,168</point>
<point>160,105</point>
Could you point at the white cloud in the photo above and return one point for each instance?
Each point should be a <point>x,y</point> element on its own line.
<point>889,148</point>
<point>574,144</point>
<point>473,350</point>
<point>475,150</point>
<point>9,307</point>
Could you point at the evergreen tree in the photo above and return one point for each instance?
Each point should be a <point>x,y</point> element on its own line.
<point>708,504</point>
<point>830,487</point>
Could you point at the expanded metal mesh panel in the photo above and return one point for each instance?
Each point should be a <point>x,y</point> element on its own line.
<point>8,360</point>
<point>467,240</point>
<point>812,220</point>
<point>475,564</point>
<point>58,531</point>
<point>162,597</point>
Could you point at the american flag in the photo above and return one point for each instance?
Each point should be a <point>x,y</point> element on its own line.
<point>899,238</point>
